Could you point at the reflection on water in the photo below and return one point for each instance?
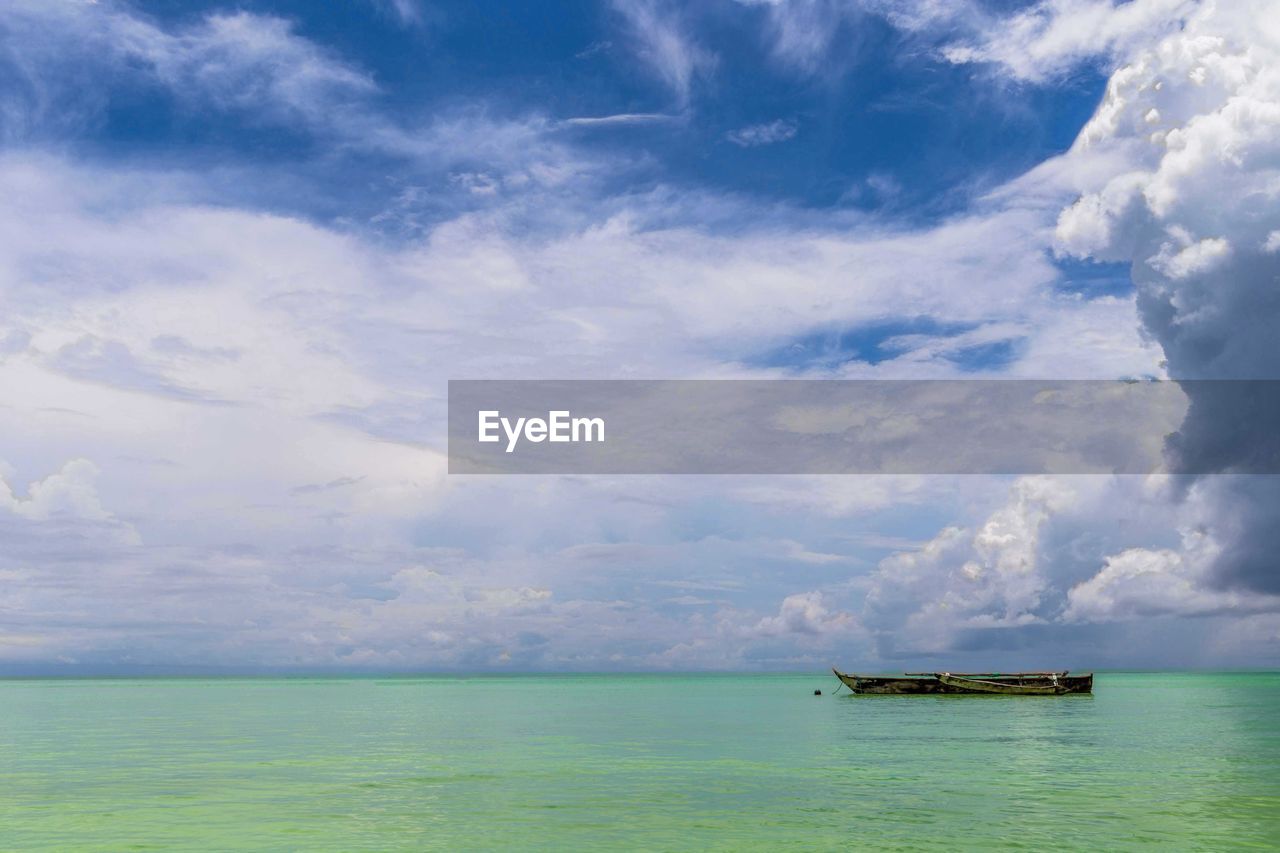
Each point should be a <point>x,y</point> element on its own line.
<point>689,762</point>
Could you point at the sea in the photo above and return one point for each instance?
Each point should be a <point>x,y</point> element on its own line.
<point>1152,760</point>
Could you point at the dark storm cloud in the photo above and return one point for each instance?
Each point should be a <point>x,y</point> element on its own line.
<point>1193,216</point>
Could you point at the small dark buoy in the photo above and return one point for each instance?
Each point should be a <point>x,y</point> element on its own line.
<point>817,693</point>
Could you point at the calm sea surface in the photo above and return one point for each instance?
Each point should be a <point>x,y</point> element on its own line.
<point>1171,761</point>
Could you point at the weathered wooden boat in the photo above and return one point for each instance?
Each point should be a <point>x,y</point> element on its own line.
<point>1005,683</point>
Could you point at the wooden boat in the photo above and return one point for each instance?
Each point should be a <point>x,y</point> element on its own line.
<point>984,685</point>
<point>1004,683</point>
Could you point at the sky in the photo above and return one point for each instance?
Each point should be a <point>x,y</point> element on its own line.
<point>245,246</point>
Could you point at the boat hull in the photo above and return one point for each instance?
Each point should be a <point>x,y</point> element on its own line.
<point>930,685</point>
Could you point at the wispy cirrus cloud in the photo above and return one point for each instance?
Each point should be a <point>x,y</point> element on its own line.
<point>822,37</point>
<point>663,42</point>
<point>1054,35</point>
<point>769,133</point>
<point>410,13</point>
<point>622,119</point>
<point>229,61</point>
<point>801,32</point>
<point>1033,43</point>
<point>252,70</point>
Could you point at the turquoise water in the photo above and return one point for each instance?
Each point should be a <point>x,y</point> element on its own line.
<point>1174,761</point>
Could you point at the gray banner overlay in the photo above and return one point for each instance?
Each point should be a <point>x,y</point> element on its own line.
<point>831,426</point>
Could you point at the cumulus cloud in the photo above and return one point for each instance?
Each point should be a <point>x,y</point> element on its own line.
<point>1195,122</point>
<point>60,514</point>
<point>69,492</point>
<point>986,577</point>
<point>1142,582</point>
<point>1185,258</point>
<point>1179,170</point>
<point>805,613</point>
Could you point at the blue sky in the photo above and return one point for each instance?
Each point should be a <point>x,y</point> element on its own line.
<point>873,120</point>
<point>245,246</point>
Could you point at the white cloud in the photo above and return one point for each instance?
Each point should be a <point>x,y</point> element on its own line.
<point>769,133</point>
<point>802,31</point>
<point>806,613</point>
<point>1218,97</point>
<point>256,69</point>
<point>1143,582</point>
<point>407,12</point>
<point>988,577</point>
<point>68,493</point>
<point>329,353</point>
<point>129,299</point>
<point>663,43</point>
<point>1191,124</point>
<point>842,496</point>
<point>1053,35</point>
<point>244,60</point>
<point>237,61</point>
<point>1034,43</point>
<point>1179,172</point>
<point>1182,259</point>
<point>622,119</point>
<point>821,36</point>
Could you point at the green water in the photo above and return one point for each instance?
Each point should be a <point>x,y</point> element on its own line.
<point>1174,761</point>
